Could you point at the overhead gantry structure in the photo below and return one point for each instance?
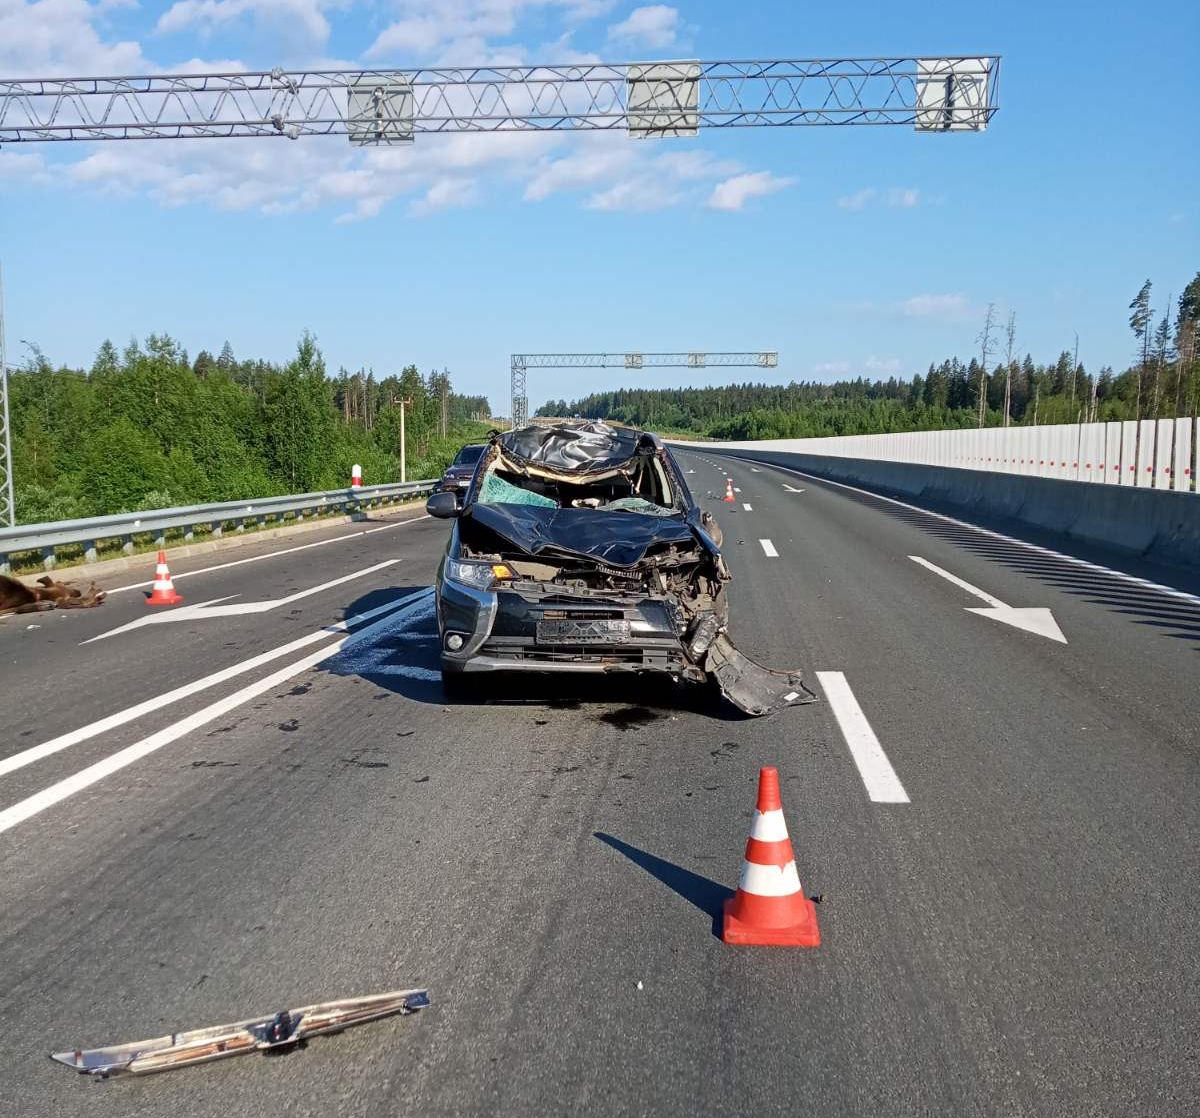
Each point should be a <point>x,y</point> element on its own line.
<point>372,108</point>
<point>520,362</point>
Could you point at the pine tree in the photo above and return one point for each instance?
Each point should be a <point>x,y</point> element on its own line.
<point>1139,323</point>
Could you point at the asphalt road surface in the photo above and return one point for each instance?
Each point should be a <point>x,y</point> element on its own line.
<point>1014,933</point>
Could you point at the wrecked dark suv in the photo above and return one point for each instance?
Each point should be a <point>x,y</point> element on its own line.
<point>578,548</point>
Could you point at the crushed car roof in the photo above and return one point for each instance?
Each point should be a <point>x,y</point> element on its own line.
<point>582,447</point>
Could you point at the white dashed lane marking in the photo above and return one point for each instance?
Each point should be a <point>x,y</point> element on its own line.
<point>882,784</point>
<point>769,549</point>
<point>747,507</point>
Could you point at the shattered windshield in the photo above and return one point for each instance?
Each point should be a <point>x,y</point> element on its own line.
<point>581,466</point>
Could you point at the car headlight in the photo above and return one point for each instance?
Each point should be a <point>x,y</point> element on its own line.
<point>471,572</point>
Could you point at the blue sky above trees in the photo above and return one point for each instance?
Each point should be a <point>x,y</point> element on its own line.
<point>870,251</point>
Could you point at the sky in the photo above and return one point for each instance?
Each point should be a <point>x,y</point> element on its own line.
<point>851,251</point>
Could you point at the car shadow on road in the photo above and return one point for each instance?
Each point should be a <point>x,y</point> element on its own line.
<point>401,655</point>
<point>707,895</point>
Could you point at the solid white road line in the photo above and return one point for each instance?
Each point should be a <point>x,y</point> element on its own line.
<point>129,714</point>
<point>85,778</point>
<point>882,784</point>
<point>235,609</point>
<point>747,507</point>
<point>1037,549</point>
<point>769,549</point>
<point>276,554</point>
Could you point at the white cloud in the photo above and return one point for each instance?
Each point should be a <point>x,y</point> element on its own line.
<point>28,167</point>
<point>873,364</point>
<point>295,20</point>
<point>625,176</point>
<point>655,26</point>
<point>732,194</point>
<point>595,162</point>
<point>897,198</point>
<point>890,365</point>
<point>444,193</point>
<point>50,38</point>
<point>458,32</point>
<point>857,200</point>
<point>636,196</point>
<point>949,308</point>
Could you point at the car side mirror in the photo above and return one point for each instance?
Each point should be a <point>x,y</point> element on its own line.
<point>442,505</point>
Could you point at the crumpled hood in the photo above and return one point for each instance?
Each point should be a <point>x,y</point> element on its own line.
<point>619,539</point>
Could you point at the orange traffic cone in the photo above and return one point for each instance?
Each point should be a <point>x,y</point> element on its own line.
<point>162,593</point>
<point>729,490</point>
<point>769,906</point>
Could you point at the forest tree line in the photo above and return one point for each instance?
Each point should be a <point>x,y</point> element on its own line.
<point>993,388</point>
<point>146,427</point>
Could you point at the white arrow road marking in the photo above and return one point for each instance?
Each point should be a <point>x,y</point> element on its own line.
<point>1032,619</point>
<point>769,549</point>
<point>275,554</point>
<point>747,507</point>
<point>148,706</point>
<point>882,784</point>
<point>202,610</point>
<point>1037,549</point>
<point>85,778</point>
<point>790,489</point>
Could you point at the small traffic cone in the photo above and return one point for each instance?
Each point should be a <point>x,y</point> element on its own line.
<point>769,906</point>
<point>162,593</point>
<point>729,490</point>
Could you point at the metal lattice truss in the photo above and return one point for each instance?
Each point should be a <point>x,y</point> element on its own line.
<point>520,362</point>
<point>648,99</point>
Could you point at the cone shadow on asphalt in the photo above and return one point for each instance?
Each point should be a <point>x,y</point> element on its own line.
<point>707,895</point>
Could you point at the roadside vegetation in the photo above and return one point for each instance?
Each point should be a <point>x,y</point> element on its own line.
<point>148,427</point>
<point>994,387</point>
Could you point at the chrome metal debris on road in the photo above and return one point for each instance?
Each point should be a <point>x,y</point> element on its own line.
<point>275,1031</point>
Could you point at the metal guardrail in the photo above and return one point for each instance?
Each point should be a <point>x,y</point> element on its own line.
<point>90,531</point>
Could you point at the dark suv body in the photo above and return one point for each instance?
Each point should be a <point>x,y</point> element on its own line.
<point>578,548</point>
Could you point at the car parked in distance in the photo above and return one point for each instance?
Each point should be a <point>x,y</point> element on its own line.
<point>458,474</point>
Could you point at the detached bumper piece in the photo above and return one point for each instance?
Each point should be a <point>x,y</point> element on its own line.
<point>751,688</point>
<point>275,1032</point>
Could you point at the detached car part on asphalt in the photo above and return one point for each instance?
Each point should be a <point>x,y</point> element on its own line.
<point>274,1032</point>
<point>577,547</point>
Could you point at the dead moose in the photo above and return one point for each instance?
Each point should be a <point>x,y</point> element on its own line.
<point>17,597</point>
